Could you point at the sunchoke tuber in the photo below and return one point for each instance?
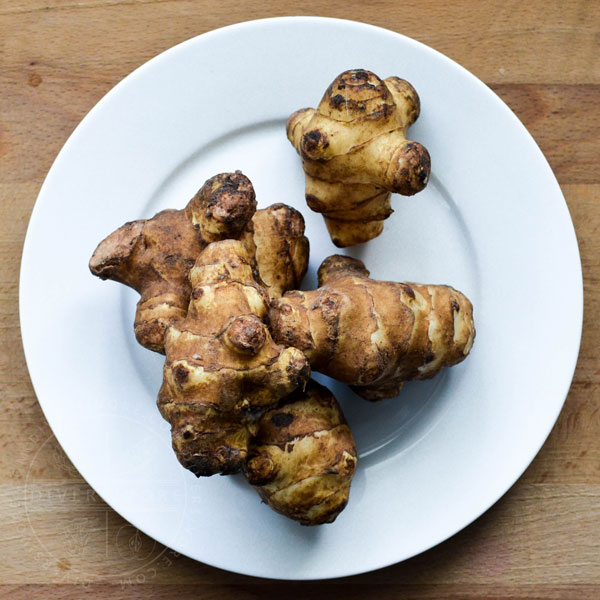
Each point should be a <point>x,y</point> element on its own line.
<point>154,256</point>
<point>355,153</point>
<point>281,248</point>
<point>302,458</point>
<point>374,335</point>
<point>222,367</point>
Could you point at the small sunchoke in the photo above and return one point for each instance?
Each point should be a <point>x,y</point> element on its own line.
<point>303,457</point>
<point>355,153</point>
<point>281,248</point>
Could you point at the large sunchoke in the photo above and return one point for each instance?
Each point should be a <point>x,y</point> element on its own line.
<point>222,367</point>
<point>154,256</point>
<point>374,335</point>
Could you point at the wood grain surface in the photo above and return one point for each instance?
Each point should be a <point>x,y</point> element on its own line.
<point>57,537</point>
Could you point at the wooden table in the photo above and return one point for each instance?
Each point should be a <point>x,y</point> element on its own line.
<point>58,539</point>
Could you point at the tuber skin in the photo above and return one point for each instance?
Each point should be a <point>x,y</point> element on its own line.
<point>374,335</point>
<point>355,153</point>
<point>281,248</point>
<point>154,256</point>
<point>303,457</point>
<point>222,367</point>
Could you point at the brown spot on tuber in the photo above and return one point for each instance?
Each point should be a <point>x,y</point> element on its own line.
<point>225,460</point>
<point>337,100</point>
<point>360,75</point>
<point>314,142</point>
<point>181,374</point>
<point>223,206</point>
<point>409,291</point>
<point>429,357</point>
<point>285,309</point>
<point>338,265</point>
<point>282,419</point>
<point>413,169</point>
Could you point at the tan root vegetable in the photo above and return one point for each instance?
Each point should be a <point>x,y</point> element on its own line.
<point>281,248</point>
<point>355,153</point>
<point>154,256</point>
<point>303,457</point>
<point>222,367</point>
<point>374,335</point>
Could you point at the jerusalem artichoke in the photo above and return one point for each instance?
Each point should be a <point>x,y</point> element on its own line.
<point>222,367</point>
<point>374,335</point>
<point>302,458</point>
<point>281,248</point>
<point>154,256</point>
<point>355,153</point>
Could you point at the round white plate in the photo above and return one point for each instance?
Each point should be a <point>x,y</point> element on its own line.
<point>492,223</point>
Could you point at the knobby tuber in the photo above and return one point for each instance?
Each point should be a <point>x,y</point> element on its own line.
<point>355,153</point>
<point>374,335</point>
<point>154,256</point>
<point>222,367</point>
<point>302,458</point>
<point>281,248</point>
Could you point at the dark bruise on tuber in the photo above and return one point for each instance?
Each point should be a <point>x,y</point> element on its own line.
<point>355,153</point>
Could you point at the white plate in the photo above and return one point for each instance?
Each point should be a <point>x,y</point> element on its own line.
<point>492,223</point>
